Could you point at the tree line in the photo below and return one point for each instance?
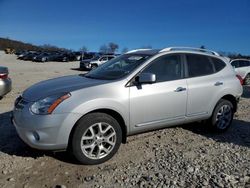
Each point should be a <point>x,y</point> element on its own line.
<point>19,45</point>
<point>105,48</point>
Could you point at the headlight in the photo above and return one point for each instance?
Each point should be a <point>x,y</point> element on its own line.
<point>48,104</point>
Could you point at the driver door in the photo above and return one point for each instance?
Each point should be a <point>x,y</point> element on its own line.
<point>162,103</point>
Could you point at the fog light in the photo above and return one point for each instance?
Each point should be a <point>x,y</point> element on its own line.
<point>36,136</point>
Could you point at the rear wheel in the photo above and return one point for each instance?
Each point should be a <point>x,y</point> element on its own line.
<point>247,80</point>
<point>222,116</point>
<point>96,138</point>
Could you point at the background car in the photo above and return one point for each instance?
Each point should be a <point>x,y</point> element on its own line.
<point>100,60</point>
<point>46,56</point>
<point>242,68</point>
<point>86,59</point>
<point>30,56</point>
<point>5,81</point>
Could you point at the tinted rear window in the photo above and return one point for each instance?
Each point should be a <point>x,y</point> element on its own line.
<point>244,63</point>
<point>218,64</point>
<point>199,65</point>
<point>235,64</point>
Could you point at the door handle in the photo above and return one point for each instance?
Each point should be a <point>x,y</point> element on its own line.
<point>218,83</point>
<point>179,89</point>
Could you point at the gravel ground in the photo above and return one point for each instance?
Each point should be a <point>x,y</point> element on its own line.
<point>183,156</point>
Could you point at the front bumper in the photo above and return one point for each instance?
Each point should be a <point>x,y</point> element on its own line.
<point>45,132</point>
<point>85,65</point>
<point>5,86</point>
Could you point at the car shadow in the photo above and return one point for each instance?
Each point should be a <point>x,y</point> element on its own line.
<point>78,69</point>
<point>246,92</point>
<point>11,144</point>
<point>237,134</point>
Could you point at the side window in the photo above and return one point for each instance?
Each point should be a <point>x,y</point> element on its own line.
<point>241,63</point>
<point>103,59</point>
<point>198,65</point>
<point>166,68</point>
<point>244,63</point>
<point>218,64</point>
<point>248,63</point>
<point>235,64</point>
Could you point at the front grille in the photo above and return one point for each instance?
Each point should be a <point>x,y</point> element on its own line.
<point>20,103</point>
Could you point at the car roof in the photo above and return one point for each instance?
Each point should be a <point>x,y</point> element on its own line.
<point>144,51</point>
<point>175,50</point>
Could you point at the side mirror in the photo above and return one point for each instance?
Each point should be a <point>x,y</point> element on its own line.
<point>147,78</point>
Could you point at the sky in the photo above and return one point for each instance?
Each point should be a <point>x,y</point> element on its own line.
<point>220,25</point>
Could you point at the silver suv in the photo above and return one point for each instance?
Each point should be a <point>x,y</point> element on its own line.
<point>142,90</point>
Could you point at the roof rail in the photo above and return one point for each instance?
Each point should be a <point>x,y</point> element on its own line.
<point>142,49</point>
<point>190,49</point>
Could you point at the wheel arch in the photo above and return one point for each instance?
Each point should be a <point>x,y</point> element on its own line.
<point>95,64</point>
<point>232,99</point>
<point>110,112</point>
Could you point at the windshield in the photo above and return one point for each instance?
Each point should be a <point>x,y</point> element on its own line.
<point>118,67</point>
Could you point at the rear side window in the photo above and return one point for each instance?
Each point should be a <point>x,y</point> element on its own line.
<point>104,59</point>
<point>244,63</point>
<point>235,64</point>
<point>247,63</point>
<point>198,65</point>
<point>218,64</point>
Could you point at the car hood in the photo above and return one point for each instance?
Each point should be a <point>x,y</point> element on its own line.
<point>59,85</point>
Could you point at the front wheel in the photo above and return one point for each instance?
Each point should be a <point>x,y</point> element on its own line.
<point>94,66</point>
<point>222,116</point>
<point>96,138</point>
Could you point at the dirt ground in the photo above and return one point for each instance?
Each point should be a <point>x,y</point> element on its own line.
<point>183,156</point>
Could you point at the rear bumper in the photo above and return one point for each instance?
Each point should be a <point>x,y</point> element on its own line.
<point>5,86</point>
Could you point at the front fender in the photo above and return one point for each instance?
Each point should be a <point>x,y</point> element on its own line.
<point>110,104</point>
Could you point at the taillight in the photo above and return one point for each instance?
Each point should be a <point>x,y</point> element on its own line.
<point>3,75</point>
<point>240,79</point>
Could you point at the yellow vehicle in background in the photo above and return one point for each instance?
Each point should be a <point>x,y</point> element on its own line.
<point>9,51</point>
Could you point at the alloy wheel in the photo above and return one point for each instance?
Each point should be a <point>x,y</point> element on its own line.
<point>98,140</point>
<point>224,117</point>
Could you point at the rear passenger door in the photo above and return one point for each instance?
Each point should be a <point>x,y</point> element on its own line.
<point>203,84</point>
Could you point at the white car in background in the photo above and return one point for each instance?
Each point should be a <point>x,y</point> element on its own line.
<point>96,62</point>
<point>242,68</point>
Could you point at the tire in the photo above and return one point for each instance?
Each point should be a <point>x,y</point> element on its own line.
<point>94,66</point>
<point>222,116</point>
<point>91,146</point>
<point>247,79</point>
